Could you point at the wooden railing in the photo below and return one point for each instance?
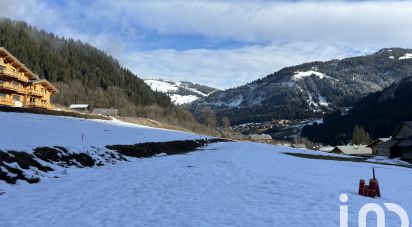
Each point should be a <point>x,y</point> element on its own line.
<point>13,74</point>
<point>38,104</point>
<point>12,87</point>
<point>35,93</point>
<point>6,101</point>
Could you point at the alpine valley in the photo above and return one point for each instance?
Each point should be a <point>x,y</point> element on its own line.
<point>312,89</point>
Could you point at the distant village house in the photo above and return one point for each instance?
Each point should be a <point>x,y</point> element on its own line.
<point>79,107</point>
<point>400,145</point>
<point>375,145</point>
<point>355,150</point>
<point>106,112</point>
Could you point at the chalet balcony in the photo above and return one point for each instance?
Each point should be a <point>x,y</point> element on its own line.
<point>6,86</point>
<point>6,101</point>
<point>39,104</point>
<point>35,93</point>
<point>13,74</point>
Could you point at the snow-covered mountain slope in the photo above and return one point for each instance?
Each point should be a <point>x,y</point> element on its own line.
<point>225,184</point>
<point>181,92</point>
<point>311,89</point>
<point>28,131</point>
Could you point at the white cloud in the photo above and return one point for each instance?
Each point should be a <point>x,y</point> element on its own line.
<point>370,22</point>
<point>229,68</point>
<point>285,33</point>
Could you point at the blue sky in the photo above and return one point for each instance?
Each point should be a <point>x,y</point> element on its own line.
<point>221,43</point>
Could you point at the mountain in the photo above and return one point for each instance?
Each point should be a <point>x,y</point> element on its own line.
<point>379,113</point>
<point>181,92</point>
<point>81,72</point>
<point>311,89</point>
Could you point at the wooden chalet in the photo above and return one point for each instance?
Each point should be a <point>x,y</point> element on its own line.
<point>79,107</point>
<point>355,150</point>
<point>20,87</point>
<point>400,145</point>
<point>374,145</point>
<point>106,112</point>
<point>402,142</point>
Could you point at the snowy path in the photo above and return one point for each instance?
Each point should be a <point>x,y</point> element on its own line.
<point>226,184</point>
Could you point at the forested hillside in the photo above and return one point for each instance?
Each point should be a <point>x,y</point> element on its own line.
<point>81,72</point>
<point>311,89</point>
<point>379,114</point>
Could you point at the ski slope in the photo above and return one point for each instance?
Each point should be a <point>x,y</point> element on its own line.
<point>224,184</point>
<point>24,132</point>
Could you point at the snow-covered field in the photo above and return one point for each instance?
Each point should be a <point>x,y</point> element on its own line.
<point>23,132</point>
<point>225,184</point>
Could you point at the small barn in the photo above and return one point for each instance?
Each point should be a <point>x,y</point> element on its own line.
<point>402,149</point>
<point>262,138</point>
<point>375,144</point>
<point>384,149</point>
<point>79,107</point>
<point>106,112</point>
<point>355,150</point>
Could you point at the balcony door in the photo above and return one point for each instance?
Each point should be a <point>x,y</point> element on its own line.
<point>17,101</point>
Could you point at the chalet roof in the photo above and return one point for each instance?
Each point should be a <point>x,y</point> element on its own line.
<point>260,137</point>
<point>46,83</point>
<point>107,112</point>
<point>355,150</point>
<point>405,142</point>
<point>405,123</point>
<point>17,64</point>
<point>79,106</point>
<point>388,144</point>
<point>377,141</point>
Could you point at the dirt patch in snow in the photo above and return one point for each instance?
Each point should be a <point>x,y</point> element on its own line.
<point>150,149</point>
<point>16,165</point>
<point>61,156</point>
<point>12,163</point>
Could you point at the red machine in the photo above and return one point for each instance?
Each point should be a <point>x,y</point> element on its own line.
<point>371,190</point>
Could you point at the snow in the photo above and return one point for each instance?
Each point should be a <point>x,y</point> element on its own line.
<point>225,184</point>
<point>171,88</point>
<point>391,57</point>
<point>27,131</point>
<point>232,102</point>
<point>182,99</point>
<point>300,75</point>
<point>310,100</point>
<point>322,101</point>
<point>196,91</point>
<point>406,56</point>
<point>161,86</point>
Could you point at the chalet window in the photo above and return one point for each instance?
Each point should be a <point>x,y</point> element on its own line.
<point>2,95</point>
<point>1,67</point>
<point>16,97</point>
<point>16,84</point>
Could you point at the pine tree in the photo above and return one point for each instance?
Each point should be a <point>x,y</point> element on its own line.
<point>225,122</point>
<point>360,136</point>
